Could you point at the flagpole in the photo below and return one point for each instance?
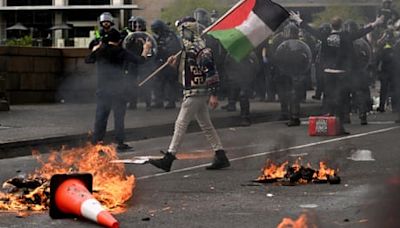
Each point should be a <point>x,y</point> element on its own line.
<point>204,32</point>
<point>223,16</point>
<point>157,70</point>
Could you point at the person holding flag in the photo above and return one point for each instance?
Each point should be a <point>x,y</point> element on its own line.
<point>200,81</point>
<point>239,31</point>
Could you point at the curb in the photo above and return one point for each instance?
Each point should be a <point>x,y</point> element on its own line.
<point>45,145</point>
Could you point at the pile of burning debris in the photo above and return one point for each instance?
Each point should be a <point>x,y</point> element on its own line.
<point>297,174</point>
<point>31,192</point>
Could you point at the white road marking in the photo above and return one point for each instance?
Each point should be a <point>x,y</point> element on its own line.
<point>274,151</point>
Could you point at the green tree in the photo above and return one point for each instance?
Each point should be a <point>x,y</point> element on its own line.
<point>345,12</point>
<point>181,8</point>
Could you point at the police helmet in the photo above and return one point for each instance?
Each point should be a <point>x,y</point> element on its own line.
<point>106,16</point>
<point>202,16</point>
<point>325,28</point>
<point>350,26</point>
<point>158,26</point>
<point>291,31</point>
<point>137,23</point>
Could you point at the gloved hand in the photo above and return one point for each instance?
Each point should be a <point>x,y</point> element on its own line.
<point>378,21</point>
<point>295,17</point>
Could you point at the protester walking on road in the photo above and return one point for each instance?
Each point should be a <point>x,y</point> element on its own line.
<point>200,83</point>
<point>111,84</point>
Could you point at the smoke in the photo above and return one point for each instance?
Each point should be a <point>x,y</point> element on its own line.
<point>384,210</point>
<point>78,87</point>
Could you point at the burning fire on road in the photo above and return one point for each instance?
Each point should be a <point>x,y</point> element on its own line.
<point>302,222</point>
<point>31,192</point>
<point>297,173</point>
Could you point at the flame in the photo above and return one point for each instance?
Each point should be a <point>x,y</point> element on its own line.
<point>301,222</point>
<point>324,172</point>
<point>273,171</point>
<point>111,186</point>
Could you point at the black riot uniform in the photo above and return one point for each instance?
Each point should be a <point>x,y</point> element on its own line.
<point>240,77</point>
<point>166,85</point>
<point>337,49</point>
<point>324,29</point>
<point>387,69</point>
<point>138,73</point>
<point>391,15</point>
<point>292,60</point>
<point>359,81</point>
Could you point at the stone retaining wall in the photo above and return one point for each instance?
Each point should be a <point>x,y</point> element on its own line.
<point>38,75</point>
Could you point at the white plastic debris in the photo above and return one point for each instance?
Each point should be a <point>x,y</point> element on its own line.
<point>298,155</point>
<point>308,205</point>
<point>361,155</point>
<point>270,195</point>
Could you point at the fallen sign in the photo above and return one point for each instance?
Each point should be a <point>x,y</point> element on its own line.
<point>297,174</point>
<point>141,160</point>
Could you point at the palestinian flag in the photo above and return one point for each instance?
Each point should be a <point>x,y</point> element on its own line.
<point>247,25</point>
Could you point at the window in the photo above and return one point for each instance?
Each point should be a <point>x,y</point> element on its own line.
<point>29,2</point>
<point>89,2</point>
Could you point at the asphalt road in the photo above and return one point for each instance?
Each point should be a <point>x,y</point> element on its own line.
<point>190,196</point>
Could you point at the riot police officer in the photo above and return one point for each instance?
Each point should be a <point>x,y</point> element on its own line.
<point>292,58</point>
<point>390,14</point>
<point>166,85</point>
<point>324,28</point>
<point>387,68</point>
<point>359,78</point>
<point>240,78</point>
<point>134,42</point>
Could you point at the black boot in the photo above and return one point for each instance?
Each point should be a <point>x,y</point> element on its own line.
<point>245,122</point>
<point>294,122</point>
<point>363,119</point>
<point>220,161</point>
<point>398,118</point>
<point>164,163</point>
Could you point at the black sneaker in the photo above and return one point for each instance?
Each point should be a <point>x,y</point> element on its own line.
<point>124,147</point>
<point>220,161</point>
<point>164,163</point>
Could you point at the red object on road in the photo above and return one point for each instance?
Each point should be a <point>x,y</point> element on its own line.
<point>71,196</point>
<point>323,126</point>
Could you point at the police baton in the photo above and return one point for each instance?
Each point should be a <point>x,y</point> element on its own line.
<point>157,70</point>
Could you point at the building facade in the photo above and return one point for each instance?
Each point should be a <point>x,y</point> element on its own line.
<point>58,22</point>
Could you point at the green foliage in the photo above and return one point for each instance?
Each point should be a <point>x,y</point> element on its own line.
<point>25,41</point>
<point>345,12</point>
<point>181,8</point>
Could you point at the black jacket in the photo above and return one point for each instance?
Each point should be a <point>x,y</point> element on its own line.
<point>111,59</point>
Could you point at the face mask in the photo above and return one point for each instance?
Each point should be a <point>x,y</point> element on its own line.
<point>187,34</point>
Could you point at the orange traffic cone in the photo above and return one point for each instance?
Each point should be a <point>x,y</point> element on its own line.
<point>71,195</point>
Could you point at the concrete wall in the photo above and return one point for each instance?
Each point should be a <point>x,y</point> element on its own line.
<point>37,75</point>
